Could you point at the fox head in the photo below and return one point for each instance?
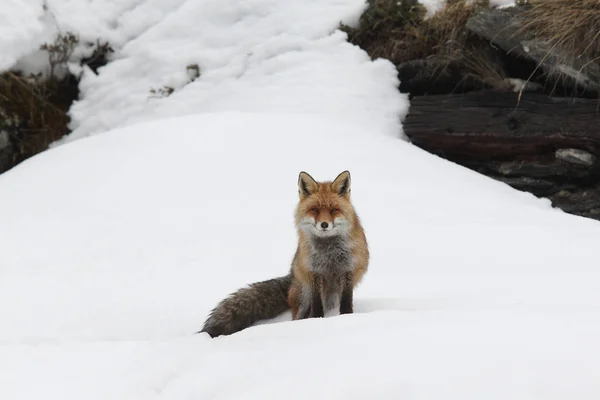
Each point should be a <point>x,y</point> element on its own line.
<point>324,209</point>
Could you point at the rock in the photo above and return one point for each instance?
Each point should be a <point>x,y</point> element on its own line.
<point>6,151</point>
<point>576,156</point>
<point>539,187</point>
<point>579,201</point>
<point>551,169</point>
<point>521,85</point>
<point>4,140</point>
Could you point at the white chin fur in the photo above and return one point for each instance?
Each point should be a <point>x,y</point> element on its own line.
<point>325,233</point>
<point>309,225</point>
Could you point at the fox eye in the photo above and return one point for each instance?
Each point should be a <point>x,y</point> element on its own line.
<point>315,210</point>
<point>334,210</point>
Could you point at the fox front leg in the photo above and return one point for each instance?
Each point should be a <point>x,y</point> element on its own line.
<point>347,295</point>
<point>316,305</point>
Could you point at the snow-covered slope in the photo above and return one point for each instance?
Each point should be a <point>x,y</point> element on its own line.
<point>116,247</point>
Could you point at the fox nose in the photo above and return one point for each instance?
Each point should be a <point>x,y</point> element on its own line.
<point>324,225</point>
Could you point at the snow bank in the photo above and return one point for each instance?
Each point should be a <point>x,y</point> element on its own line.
<point>116,247</point>
<point>257,56</point>
<point>31,23</point>
<point>434,6</point>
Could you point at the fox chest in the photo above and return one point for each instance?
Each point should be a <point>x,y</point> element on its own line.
<point>330,257</point>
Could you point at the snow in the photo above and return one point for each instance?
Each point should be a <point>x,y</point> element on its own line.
<point>259,56</point>
<point>20,26</point>
<point>502,3</point>
<point>433,6</point>
<point>474,289</point>
<point>519,85</point>
<point>253,56</point>
<point>116,246</point>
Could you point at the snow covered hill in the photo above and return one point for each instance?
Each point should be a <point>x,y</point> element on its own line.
<point>115,247</point>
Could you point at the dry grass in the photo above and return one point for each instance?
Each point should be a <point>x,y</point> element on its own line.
<point>400,33</point>
<point>33,109</point>
<point>34,115</point>
<point>386,28</point>
<point>572,30</point>
<point>571,25</point>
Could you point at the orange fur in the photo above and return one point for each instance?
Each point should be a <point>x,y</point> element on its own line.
<point>324,202</point>
<point>331,259</point>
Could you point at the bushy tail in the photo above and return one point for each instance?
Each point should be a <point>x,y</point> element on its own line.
<point>261,300</point>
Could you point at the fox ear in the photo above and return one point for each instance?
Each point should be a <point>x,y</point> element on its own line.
<point>341,184</point>
<point>306,185</point>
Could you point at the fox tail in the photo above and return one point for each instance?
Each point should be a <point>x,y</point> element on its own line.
<point>260,300</point>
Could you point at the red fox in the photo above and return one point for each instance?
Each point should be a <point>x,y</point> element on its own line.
<point>331,259</point>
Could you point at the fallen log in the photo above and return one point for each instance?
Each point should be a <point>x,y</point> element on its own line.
<point>491,125</point>
<point>543,145</point>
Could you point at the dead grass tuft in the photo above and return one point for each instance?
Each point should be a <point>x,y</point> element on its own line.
<point>384,27</point>
<point>33,109</point>
<point>400,32</point>
<point>570,25</point>
<point>33,114</point>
